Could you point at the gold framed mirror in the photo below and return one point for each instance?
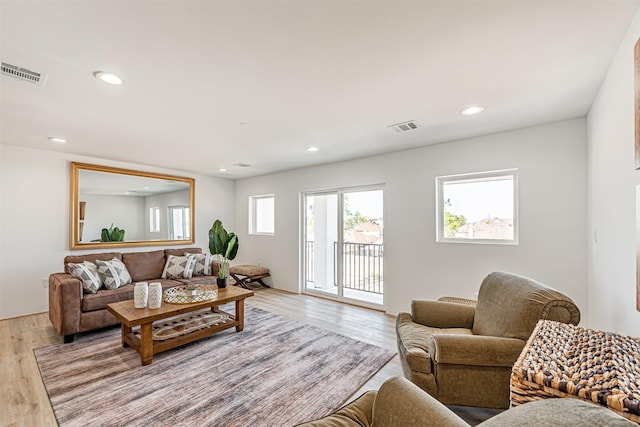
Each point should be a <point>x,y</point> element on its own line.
<point>113,207</point>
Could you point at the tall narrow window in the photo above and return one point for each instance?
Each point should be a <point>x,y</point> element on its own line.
<point>478,207</point>
<point>179,223</point>
<point>154,220</point>
<point>262,214</point>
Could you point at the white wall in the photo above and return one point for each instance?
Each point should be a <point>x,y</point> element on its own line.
<point>124,212</point>
<point>34,220</point>
<point>612,181</point>
<point>552,201</point>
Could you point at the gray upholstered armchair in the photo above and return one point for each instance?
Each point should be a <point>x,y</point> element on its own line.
<point>399,403</point>
<point>462,354</point>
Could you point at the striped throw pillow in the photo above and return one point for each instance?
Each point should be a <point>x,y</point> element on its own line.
<point>202,265</point>
<point>113,273</point>
<point>87,273</point>
<point>178,267</point>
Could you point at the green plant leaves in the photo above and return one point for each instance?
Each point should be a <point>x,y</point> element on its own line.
<point>223,244</point>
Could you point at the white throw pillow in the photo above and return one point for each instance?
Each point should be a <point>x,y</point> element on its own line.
<point>178,267</point>
<point>113,273</point>
<point>87,273</point>
<point>202,265</point>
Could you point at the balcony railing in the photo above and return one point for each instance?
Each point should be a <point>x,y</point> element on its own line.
<point>362,267</point>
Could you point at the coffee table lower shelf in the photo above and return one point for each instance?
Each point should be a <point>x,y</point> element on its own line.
<point>134,338</point>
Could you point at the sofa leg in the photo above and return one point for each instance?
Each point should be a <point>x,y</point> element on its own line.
<point>69,338</point>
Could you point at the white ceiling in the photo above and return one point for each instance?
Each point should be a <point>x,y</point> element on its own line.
<point>331,74</point>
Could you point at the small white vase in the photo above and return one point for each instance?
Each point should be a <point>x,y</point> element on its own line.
<point>155,295</point>
<point>140,295</point>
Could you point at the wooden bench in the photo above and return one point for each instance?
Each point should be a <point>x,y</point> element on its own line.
<point>244,274</point>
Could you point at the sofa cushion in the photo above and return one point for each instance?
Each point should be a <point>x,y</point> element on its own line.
<point>181,251</point>
<point>87,273</point>
<point>113,273</point>
<point>99,300</point>
<point>178,267</point>
<point>144,265</point>
<point>77,259</point>
<point>202,265</point>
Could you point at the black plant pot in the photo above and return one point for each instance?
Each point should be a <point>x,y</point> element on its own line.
<point>222,283</point>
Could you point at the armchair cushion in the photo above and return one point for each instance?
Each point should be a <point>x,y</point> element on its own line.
<point>475,350</point>
<point>439,314</point>
<point>510,306</point>
<point>413,340</point>
<point>561,412</point>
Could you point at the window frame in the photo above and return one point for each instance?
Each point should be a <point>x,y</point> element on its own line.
<point>253,211</point>
<point>468,177</point>
<point>154,219</point>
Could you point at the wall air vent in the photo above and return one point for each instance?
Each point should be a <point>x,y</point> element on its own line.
<point>404,126</point>
<point>242,165</point>
<point>23,74</point>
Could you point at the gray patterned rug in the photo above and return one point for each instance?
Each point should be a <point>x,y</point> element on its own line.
<point>277,372</point>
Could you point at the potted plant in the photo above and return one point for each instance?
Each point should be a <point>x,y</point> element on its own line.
<point>225,246</point>
<point>112,234</point>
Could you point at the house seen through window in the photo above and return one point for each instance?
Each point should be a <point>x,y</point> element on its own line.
<point>478,207</point>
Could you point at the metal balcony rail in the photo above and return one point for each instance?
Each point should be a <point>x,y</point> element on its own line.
<point>362,267</point>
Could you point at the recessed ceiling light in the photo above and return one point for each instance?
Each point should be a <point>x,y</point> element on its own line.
<point>222,170</point>
<point>109,78</point>
<point>57,139</point>
<point>472,109</point>
<point>312,148</point>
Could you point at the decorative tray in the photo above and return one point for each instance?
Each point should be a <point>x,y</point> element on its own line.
<point>190,293</point>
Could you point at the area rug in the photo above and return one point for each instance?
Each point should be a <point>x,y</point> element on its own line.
<point>277,372</point>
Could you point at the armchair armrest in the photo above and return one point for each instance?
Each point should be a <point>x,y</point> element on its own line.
<point>65,301</point>
<point>475,350</point>
<point>439,314</point>
<point>401,403</point>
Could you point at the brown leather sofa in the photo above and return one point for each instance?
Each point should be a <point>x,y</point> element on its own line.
<point>399,403</point>
<point>71,311</point>
<point>463,354</point>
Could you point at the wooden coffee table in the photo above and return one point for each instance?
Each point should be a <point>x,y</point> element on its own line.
<point>144,344</point>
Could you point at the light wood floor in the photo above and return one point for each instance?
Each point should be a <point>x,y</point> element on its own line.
<point>24,401</point>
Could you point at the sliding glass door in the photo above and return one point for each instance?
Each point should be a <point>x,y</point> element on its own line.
<point>343,244</point>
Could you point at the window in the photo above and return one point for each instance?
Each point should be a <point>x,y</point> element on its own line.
<point>478,207</point>
<point>154,220</point>
<point>179,223</point>
<point>262,214</point>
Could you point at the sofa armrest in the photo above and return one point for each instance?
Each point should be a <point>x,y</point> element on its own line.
<point>358,413</point>
<point>65,303</point>
<point>401,403</point>
<point>475,350</point>
<point>439,314</point>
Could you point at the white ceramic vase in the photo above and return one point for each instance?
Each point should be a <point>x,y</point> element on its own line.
<point>140,295</point>
<point>155,295</point>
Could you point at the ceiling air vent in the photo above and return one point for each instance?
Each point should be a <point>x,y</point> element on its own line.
<point>404,126</point>
<point>23,74</point>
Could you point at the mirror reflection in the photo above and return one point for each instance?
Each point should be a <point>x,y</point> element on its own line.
<point>119,207</point>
